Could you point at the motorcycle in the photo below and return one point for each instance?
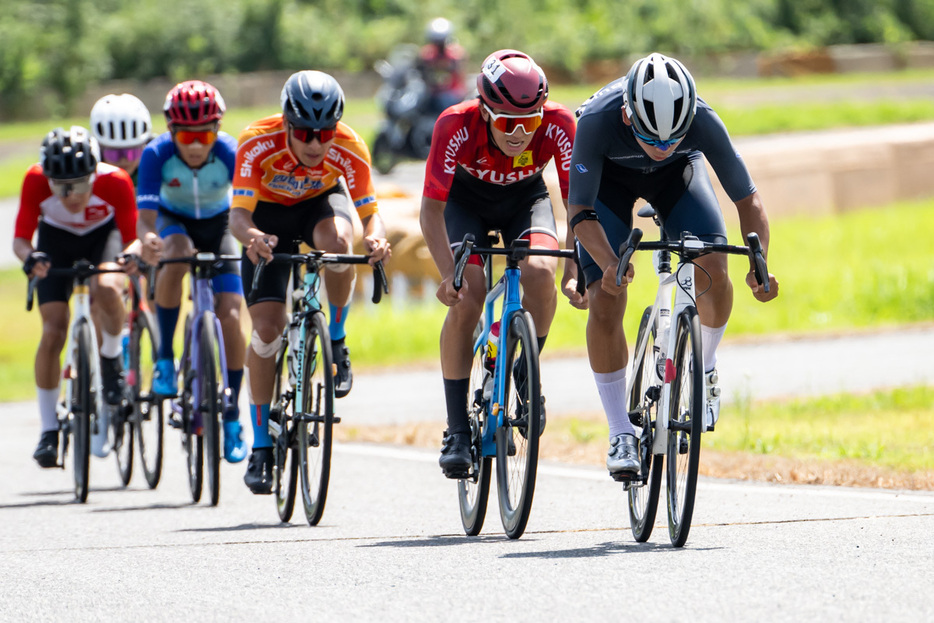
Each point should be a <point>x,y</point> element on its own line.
<point>405,100</point>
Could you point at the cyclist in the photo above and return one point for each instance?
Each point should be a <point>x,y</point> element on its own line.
<point>83,209</point>
<point>646,135</point>
<point>122,126</point>
<point>485,172</point>
<point>185,179</point>
<point>441,63</point>
<point>294,171</point>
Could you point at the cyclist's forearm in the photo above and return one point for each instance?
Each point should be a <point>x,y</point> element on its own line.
<point>431,219</point>
<point>146,223</point>
<point>22,248</point>
<point>592,237</point>
<point>242,226</point>
<point>373,226</point>
<point>753,218</point>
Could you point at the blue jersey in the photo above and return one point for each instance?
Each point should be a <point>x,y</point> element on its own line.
<point>167,183</point>
<point>603,137</point>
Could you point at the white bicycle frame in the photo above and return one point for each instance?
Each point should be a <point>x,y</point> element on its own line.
<point>81,310</point>
<point>663,312</point>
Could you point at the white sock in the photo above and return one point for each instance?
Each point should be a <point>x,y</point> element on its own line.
<point>48,401</point>
<point>711,338</point>
<point>111,345</point>
<point>612,389</point>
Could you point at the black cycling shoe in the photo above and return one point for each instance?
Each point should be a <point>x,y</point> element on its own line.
<point>258,475</point>
<point>455,455</point>
<point>112,378</point>
<point>343,377</point>
<point>46,454</point>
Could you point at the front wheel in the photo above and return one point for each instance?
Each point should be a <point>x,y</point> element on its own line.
<point>315,419</point>
<point>123,442</point>
<point>474,493</point>
<point>685,422</point>
<point>212,388</point>
<point>192,440</point>
<point>285,459</point>
<point>517,439</point>
<point>147,415</point>
<point>643,402</point>
<point>82,407</point>
<point>382,154</point>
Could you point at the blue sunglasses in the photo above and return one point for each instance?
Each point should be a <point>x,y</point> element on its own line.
<point>654,142</point>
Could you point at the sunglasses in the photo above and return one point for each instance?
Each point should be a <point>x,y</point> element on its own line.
<point>63,188</point>
<point>306,135</point>
<point>116,155</point>
<point>508,124</point>
<point>188,137</point>
<point>654,142</point>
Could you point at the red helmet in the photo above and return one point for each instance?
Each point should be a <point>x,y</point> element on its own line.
<point>193,103</point>
<point>510,81</point>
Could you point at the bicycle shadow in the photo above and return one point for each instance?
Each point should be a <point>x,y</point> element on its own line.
<point>145,507</point>
<point>54,494</point>
<point>438,541</point>
<point>246,527</point>
<point>603,550</point>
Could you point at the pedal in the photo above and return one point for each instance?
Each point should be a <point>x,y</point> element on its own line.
<point>625,477</point>
<point>456,474</point>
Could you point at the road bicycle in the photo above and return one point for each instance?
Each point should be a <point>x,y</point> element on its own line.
<point>144,421</point>
<point>203,395</point>
<point>301,418</point>
<point>81,411</point>
<point>504,401</point>
<point>666,391</point>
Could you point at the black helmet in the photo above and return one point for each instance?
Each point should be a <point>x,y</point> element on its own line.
<point>67,155</point>
<point>312,99</point>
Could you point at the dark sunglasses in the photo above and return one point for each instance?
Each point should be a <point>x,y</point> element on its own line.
<point>654,142</point>
<point>63,188</point>
<point>306,135</point>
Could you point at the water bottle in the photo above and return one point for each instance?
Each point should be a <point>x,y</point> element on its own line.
<point>294,335</point>
<point>125,344</point>
<point>491,345</point>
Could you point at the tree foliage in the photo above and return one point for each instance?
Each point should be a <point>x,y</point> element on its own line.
<point>58,46</point>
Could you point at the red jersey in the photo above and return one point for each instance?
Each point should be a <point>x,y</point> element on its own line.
<point>461,139</point>
<point>267,171</point>
<point>112,198</point>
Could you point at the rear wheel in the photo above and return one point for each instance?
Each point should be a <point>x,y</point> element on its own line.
<point>82,408</point>
<point>516,471</point>
<point>474,493</point>
<point>212,387</point>
<point>285,463</point>
<point>123,442</point>
<point>147,415</point>
<point>643,403</point>
<point>384,160</point>
<point>315,420</point>
<point>685,421</point>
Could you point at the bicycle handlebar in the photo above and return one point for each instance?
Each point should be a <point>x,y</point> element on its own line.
<point>82,269</point>
<point>380,282</point>
<point>517,250</point>
<point>690,248</point>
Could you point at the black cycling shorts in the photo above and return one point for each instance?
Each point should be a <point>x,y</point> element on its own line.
<point>680,192</point>
<point>64,248</point>
<point>208,235</point>
<point>293,225</point>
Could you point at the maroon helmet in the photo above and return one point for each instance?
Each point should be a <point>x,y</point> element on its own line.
<point>193,103</point>
<point>510,81</point>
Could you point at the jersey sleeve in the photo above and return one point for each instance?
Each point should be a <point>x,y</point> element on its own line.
<point>586,166</point>
<point>27,218</point>
<point>714,141</point>
<point>226,151</point>
<point>358,176</point>
<point>124,202</point>
<point>446,140</point>
<point>149,178</point>
<point>247,172</point>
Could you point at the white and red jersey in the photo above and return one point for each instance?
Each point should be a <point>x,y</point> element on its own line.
<point>461,139</point>
<point>113,198</point>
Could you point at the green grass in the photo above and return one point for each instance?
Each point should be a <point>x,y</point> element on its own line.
<point>892,429</point>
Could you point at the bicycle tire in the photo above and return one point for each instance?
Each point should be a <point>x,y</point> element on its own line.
<point>148,418</point>
<point>685,422</point>
<point>314,438</point>
<point>473,494</point>
<point>643,496</point>
<point>124,442</point>
<point>211,406</point>
<point>82,410</point>
<point>192,442</point>
<point>516,472</point>
<point>285,463</point>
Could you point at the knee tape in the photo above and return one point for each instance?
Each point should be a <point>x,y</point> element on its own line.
<point>264,350</point>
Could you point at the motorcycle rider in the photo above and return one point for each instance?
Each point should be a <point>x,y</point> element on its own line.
<point>441,63</point>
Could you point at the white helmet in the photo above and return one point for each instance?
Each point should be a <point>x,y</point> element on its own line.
<point>121,121</point>
<point>660,97</point>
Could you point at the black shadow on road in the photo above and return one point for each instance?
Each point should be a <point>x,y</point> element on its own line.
<point>245,527</point>
<point>602,550</point>
<point>438,541</point>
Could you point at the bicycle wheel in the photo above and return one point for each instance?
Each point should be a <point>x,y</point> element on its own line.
<point>285,471</point>
<point>515,471</point>
<point>147,411</point>
<point>474,493</point>
<point>643,495</point>
<point>212,387</point>
<point>685,422</point>
<point>81,409</point>
<point>123,442</point>
<point>315,421</point>
<point>192,442</point>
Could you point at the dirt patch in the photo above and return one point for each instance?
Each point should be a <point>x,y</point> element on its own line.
<point>735,465</point>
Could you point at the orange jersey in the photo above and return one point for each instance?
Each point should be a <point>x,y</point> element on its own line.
<point>266,170</point>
